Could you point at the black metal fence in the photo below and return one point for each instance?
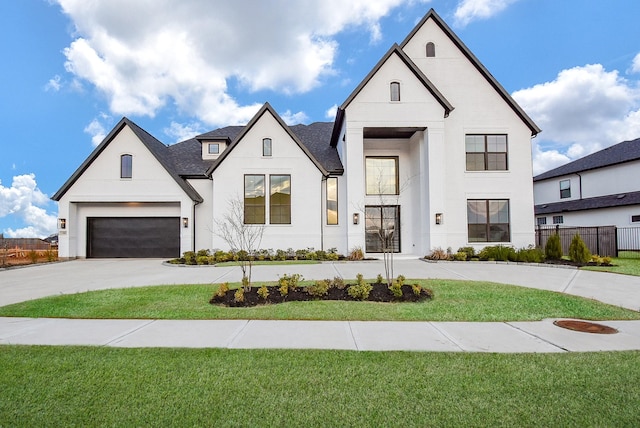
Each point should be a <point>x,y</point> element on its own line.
<point>604,241</point>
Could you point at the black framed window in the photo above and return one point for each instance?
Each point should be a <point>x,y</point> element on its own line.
<point>266,147</point>
<point>214,148</point>
<point>395,91</point>
<point>565,189</point>
<point>332,200</point>
<point>541,221</point>
<point>126,166</point>
<point>381,175</point>
<point>635,218</point>
<point>486,152</point>
<point>431,50</point>
<point>558,219</point>
<point>280,199</point>
<point>488,220</point>
<point>254,199</point>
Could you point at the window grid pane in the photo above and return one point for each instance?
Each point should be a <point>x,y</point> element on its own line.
<point>565,189</point>
<point>332,200</point>
<point>488,220</point>
<point>254,199</point>
<point>280,199</point>
<point>381,176</point>
<point>214,149</point>
<point>486,152</point>
<point>126,166</point>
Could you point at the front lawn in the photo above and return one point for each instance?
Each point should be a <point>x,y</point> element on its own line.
<point>453,301</point>
<point>96,386</point>
<point>625,266</point>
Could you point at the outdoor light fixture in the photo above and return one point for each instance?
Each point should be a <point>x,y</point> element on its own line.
<point>438,218</point>
<point>185,222</point>
<point>62,223</point>
<point>356,218</point>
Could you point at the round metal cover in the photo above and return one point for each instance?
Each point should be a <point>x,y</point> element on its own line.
<point>585,326</point>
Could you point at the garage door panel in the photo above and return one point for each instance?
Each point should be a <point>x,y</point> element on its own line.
<point>133,237</point>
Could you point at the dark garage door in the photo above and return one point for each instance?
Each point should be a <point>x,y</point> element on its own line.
<point>138,237</point>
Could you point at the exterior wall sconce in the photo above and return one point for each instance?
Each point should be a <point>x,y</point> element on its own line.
<point>356,218</point>
<point>62,223</point>
<point>185,222</point>
<point>438,218</point>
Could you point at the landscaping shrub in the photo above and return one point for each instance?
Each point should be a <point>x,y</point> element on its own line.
<point>338,283</point>
<point>396,289</point>
<point>417,289</point>
<point>438,254</point>
<point>222,256</point>
<point>238,296</point>
<point>578,251</point>
<point>281,255</point>
<point>332,254</point>
<point>606,260</point>
<point>202,260</point>
<point>33,256</point>
<point>319,288</point>
<point>470,252</point>
<point>263,292</point>
<point>356,254</point>
<point>203,253</point>
<point>553,248</point>
<point>530,254</point>
<point>460,256</point>
<point>497,252</point>
<point>51,255</point>
<point>190,258</point>
<point>361,290</point>
<point>379,279</point>
<point>596,259</point>
<point>222,289</point>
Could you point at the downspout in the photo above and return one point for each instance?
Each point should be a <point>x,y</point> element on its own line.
<point>193,235</point>
<point>322,214</point>
<point>580,183</point>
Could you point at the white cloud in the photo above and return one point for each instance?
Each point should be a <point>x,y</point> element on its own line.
<point>141,61</point>
<point>96,130</point>
<point>583,110</point>
<point>24,200</point>
<point>331,112</point>
<point>54,84</point>
<point>183,131</point>
<point>635,66</point>
<point>471,10</point>
<point>294,118</point>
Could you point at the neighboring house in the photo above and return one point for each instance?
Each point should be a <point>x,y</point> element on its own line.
<point>429,148</point>
<point>601,189</point>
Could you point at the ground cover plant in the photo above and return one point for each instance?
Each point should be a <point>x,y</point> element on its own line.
<point>626,266</point>
<point>453,301</point>
<point>97,386</point>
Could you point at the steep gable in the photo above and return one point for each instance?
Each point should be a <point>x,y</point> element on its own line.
<point>156,148</point>
<point>267,109</point>
<point>433,17</point>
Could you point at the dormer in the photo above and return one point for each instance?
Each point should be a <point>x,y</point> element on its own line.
<point>212,148</point>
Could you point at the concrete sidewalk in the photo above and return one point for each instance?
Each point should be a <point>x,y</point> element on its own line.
<point>85,275</point>
<point>495,337</point>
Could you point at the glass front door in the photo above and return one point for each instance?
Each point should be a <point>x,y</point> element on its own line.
<point>382,228</point>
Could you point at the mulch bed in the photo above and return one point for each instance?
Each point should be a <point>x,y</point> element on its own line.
<point>379,293</point>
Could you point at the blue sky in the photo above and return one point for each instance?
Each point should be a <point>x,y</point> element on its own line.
<point>72,68</point>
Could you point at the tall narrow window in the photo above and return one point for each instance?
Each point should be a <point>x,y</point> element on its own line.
<point>280,199</point>
<point>332,200</point>
<point>488,220</point>
<point>486,152</point>
<point>565,189</point>
<point>254,199</point>
<point>431,50</point>
<point>126,166</point>
<point>266,147</point>
<point>395,91</point>
<point>381,175</point>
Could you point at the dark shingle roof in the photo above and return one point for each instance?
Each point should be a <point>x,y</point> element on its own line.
<point>622,152</point>
<point>609,201</point>
<point>316,138</point>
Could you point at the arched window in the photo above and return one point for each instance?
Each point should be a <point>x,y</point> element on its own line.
<point>395,91</point>
<point>266,147</point>
<point>126,166</point>
<point>431,50</point>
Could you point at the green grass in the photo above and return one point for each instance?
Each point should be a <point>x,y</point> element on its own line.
<point>454,301</point>
<point>621,265</point>
<point>95,386</point>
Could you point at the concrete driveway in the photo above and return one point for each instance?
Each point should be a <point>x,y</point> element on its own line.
<point>33,282</point>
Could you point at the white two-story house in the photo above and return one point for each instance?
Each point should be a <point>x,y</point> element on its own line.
<point>428,150</point>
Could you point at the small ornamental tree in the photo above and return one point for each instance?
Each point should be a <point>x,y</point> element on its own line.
<point>553,249</point>
<point>578,251</point>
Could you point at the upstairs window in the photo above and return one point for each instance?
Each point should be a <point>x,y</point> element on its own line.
<point>126,166</point>
<point>381,175</point>
<point>266,147</point>
<point>486,152</point>
<point>214,148</point>
<point>395,91</point>
<point>565,189</point>
<point>431,50</point>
